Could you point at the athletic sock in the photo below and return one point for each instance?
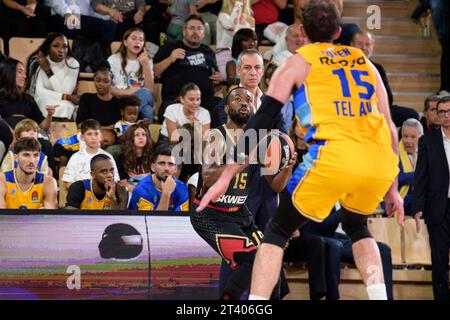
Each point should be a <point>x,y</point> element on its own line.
<point>377,291</point>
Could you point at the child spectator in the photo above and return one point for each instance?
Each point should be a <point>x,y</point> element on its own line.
<point>132,71</point>
<point>79,167</point>
<point>129,110</point>
<point>26,128</point>
<point>135,160</point>
<point>53,74</point>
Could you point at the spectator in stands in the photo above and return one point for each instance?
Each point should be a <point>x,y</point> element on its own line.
<point>101,106</point>
<point>192,188</point>
<point>15,103</point>
<point>235,15</point>
<point>365,41</point>
<point>26,128</point>
<point>126,14</point>
<point>77,17</point>
<point>132,71</point>
<point>28,18</point>
<point>250,70</point>
<point>411,131</point>
<point>156,21</point>
<point>187,111</point>
<point>265,13</point>
<point>40,188</point>
<point>52,72</point>
<point>129,111</point>
<point>135,160</point>
<point>6,137</point>
<point>294,40</point>
<point>78,167</point>
<point>243,39</point>
<point>161,191</point>
<point>100,192</point>
<point>209,11</point>
<point>431,195</point>
<point>181,62</point>
<point>430,120</point>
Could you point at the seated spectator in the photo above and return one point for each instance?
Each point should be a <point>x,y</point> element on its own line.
<point>77,17</point>
<point>365,41</point>
<point>192,188</point>
<point>181,62</point>
<point>100,192</point>
<point>266,12</point>
<point>209,11</point>
<point>26,128</point>
<point>129,111</point>
<point>101,106</point>
<point>187,111</point>
<point>79,165</point>
<point>132,71</point>
<point>294,41</point>
<point>126,14</point>
<point>430,120</point>
<point>28,18</point>
<point>243,39</point>
<point>40,188</point>
<point>135,161</point>
<point>160,191</point>
<point>15,103</point>
<point>235,15</point>
<point>412,130</point>
<point>53,74</point>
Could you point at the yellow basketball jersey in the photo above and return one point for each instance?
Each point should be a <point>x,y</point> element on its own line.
<point>33,198</point>
<point>337,100</point>
<point>90,202</point>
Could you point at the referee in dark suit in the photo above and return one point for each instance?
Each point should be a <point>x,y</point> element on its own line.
<point>431,196</point>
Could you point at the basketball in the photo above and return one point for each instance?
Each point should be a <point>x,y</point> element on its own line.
<point>275,150</point>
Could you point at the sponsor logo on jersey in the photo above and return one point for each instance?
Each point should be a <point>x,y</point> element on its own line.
<point>229,199</point>
<point>34,196</point>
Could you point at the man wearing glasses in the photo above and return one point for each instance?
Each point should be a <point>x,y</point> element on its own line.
<point>431,196</point>
<point>187,60</point>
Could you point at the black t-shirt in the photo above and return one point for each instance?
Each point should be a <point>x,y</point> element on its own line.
<point>76,193</point>
<point>198,65</point>
<point>14,111</point>
<point>92,107</point>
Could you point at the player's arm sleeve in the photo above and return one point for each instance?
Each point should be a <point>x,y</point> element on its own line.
<point>75,195</point>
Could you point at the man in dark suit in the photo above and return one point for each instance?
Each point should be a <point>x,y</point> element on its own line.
<point>431,197</point>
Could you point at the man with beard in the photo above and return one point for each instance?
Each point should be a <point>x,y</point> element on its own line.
<point>227,225</point>
<point>184,61</point>
<point>24,187</point>
<point>100,192</point>
<point>161,191</point>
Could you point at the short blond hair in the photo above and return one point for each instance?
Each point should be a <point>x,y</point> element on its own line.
<point>25,125</point>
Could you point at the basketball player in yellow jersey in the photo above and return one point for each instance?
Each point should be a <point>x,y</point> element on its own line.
<point>341,103</point>
<point>100,192</point>
<point>24,187</point>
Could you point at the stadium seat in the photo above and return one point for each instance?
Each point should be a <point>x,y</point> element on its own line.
<point>417,245</point>
<point>86,87</point>
<point>387,230</point>
<point>154,131</point>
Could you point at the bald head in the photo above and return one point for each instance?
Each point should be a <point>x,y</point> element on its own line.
<point>293,38</point>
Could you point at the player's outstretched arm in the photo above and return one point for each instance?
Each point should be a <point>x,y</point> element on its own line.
<point>393,200</point>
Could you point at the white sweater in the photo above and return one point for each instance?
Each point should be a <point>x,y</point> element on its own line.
<point>50,91</point>
<point>227,25</point>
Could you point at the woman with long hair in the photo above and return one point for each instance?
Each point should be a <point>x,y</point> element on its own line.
<point>235,15</point>
<point>135,160</point>
<point>53,75</point>
<point>133,71</point>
